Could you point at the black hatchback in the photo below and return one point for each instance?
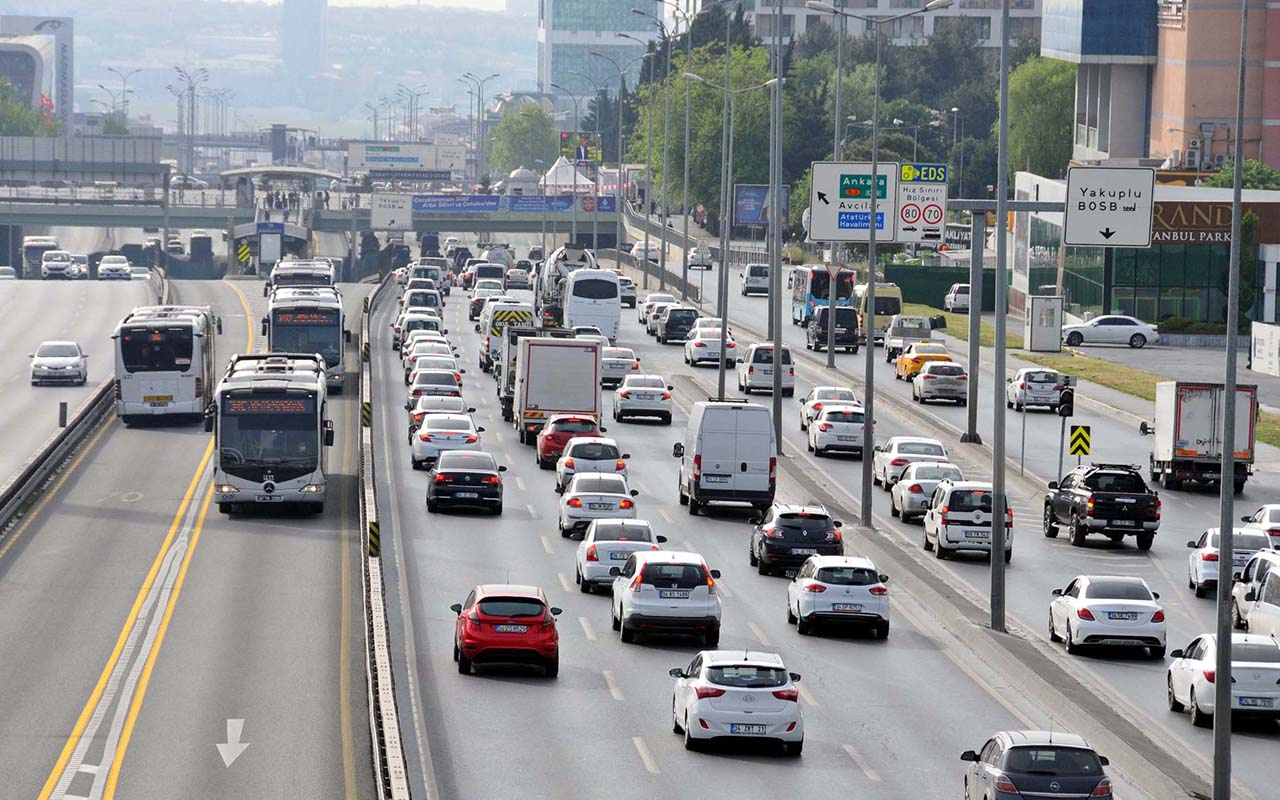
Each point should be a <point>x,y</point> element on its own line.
<point>467,479</point>
<point>816,336</point>
<point>1045,764</point>
<point>787,534</point>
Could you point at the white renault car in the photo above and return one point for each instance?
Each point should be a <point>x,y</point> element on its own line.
<point>1107,611</point>
<point>838,428</point>
<point>665,591</point>
<point>114,267</point>
<point>737,694</point>
<point>1202,561</point>
<point>843,590</point>
<point>1255,674</point>
<point>441,432</point>
<point>959,518</point>
<point>1034,386</point>
<point>609,543</point>
<point>703,346</point>
<point>812,402</point>
<point>590,454</point>
<point>643,396</point>
<point>910,495</point>
<point>594,496</point>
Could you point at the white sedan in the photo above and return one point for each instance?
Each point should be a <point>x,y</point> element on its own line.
<point>650,300</point>
<point>1267,520</point>
<point>703,345</point>
<point>1255,673</point>
<point>839,589</point>
<point>609,543</point>
<point>909,497</point>
<point>1202,561</point>
<point>441,432</point>
<point>643,396</point>
<point>1107,611</point>
<point>616,363</point>
<point>738,694</point>
<point>893,456</point>
<point>590,454</point>
<point>838,428</point>
<point>812,402</point>
<point>59,362</point>
<point>1111,329</point>
<point>941,380</point>
<point>594,496</point>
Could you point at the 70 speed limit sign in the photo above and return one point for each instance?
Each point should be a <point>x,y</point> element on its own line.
<point>922,202</point>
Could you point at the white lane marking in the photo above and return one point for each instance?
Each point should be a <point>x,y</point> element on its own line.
<point>89,768</point>
<point>612,683</point>
<point>520,481</point>
<point>533,512</point>
<point>662,512</point>
<point>724,590</point>
<point>635,484</point>
<point>805,694</point>
<point>871,774</point>
<point>564,579</point>
<point>546,545</point>
<point>586,629</point>
<point>759,634</point>
<point>645,755</point>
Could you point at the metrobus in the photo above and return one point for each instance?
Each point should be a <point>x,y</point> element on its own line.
<point>309,320</point>
<point>810,287</point>
<point>299,273</point>
<point>593,297</point>
<point>270,430</point>
<point>164,359</point>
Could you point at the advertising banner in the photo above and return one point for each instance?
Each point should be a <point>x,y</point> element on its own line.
<point>751,204</point>
<point>581,147</point>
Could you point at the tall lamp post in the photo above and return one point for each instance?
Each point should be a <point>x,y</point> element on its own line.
<point>411,95</point>
<point>573,207</point>
<point>666,143</point>
<point>600,90</point>
<point>622,85</point>
<point>957,116</point>
<point>124,76</point>
<point>479,84</point>
<point>868,431</point>
<point>688,112</point>
<point>648,159</point>
<point>373,111</point>
<point>192,79</point>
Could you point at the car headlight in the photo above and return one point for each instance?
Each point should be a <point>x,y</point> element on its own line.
<point>226,488</point>
<point>312,488</point>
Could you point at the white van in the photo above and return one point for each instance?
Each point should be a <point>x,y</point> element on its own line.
<point>728,455</point>
<point>755,279</point>
<point>494,320</point>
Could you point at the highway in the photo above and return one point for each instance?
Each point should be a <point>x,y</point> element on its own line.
<point>141,624</point>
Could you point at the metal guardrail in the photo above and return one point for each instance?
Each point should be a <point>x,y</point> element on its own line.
<point>737,256</point>
<point>689,292</point>
<point>384,721</point>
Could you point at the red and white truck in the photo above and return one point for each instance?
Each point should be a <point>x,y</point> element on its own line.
<point>554,376</point>
<point>1189,436</point>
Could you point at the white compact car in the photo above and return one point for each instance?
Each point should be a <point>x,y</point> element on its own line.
<point>941,380</point>
<point>844,590</point>
<point>1267,520</point>
<point>1034,386</point>
<point>59,362</point>
<point>114,268</point>
<point>441,432</point>
<point>650,300</point>
<point>892,457</point>
<point>812,402</point>
<point>1202,561</point>
<point>957,299</point>
<point>609,543</point>
<point>432,404</point>
<point>643,396</point>
<point>737,695</point>
<point>1111,329</point>
<point>700,257</point>
<point>755,279</point>
<point>1255,673</point>
<point>665,591</point>
<point>594,496</point>
<point>1254,595</point>
<point>616,363</point>
<point>703,346</point>
<point>590,454</point>
<point>755,370</point>
<point>959,518</point>
<point>655,315</point>
<point>838,428</point>
<point>909,497</point>
<point>627,291</point>
<point>1107,611</point>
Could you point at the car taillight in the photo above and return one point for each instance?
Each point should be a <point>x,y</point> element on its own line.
<point>834,536</point>
<point>792,373</point>
<point>711,582</point>
<point>418,416</point>
<point>1088,507</point>
<point>817,406</point>
<point>1003,784</point>
<point>624,394</point>
<point>697,468</point>
<point>1022,385</point>
<point>443,478</point>
<point>1103,789</point>
<point>619,465</point>
<point>751,370</point>
<point>879,590</point>
<point>824,426</point>
<point>699,344</point>
<point>626,504</point>
<point>199,387</point>
<point>1270,532</point>
<point>1158,616</point>
<point>473,618</point>
<point>472,439</point>
<point>1157,508</point>
<point>731,345</point>
<point>666,395</point>
<point>635,365</point>
<point>548,621</point>
<point>816,588</point>
<point>915,488</point>
<point>899,462</point>
<point>929,377</point>
<point>1008,517</point>
<point>1210,675</point>
<point>1084,613</point>
<point>568,463</point>
<point>457,376</point>
<point>492,480</point>
<point>704,692</point>
<point>117,389</point>
<point>425,437</point>
<point>772,533</point>
<point>962,377</point>
<point>574,502</point>
<point>417,393</point>
<point>1208,556</point>
<point>792,694</point>
<point>773,470</point>
<point>638,580</point>
<point>591,553</point>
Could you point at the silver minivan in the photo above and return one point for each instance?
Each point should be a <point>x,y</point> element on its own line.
<point>728,455</point>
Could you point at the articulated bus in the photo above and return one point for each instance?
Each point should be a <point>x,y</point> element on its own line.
<point>270,428</point>
<point>309,320</point>
<point>165,361</point>
<point>810,287</point>
<point>299,273</point>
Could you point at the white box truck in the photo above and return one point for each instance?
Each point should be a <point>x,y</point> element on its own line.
<point>554,376</point>
<point>1189,437</point>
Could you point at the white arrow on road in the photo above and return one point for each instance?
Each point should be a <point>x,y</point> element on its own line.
<point>233,747</point>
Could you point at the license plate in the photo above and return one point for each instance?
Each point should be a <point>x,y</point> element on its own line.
<point>673,594</point>
<point>618,556</point>
<point>803,551</point>
<point>846,438</point>
<point>599,506</point>
<point>975,534</point>
<point>846,606</point>
<point>268,498</point>
<point>1122,615</point>
<point>644,397</point>
<point>751,730</point>
<point>157,405</point>
<point>1256,702</point>
<point>511,628</point>
<point>466,495</point>
<point>716,478</point>
<point>1123,523</point>
<point>158,398</point>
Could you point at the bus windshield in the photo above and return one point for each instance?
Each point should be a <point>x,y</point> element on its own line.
<point>312,330</point>
<point>821,281</point>
<point>156,349</point>
<point>269,430</point>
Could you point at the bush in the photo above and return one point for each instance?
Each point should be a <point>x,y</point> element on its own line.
<point>1206,328</point>
<point>1174,325</point>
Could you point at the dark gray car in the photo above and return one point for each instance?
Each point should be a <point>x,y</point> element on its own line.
<point>1043,764</point>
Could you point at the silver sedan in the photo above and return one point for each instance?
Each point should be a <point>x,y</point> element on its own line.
<point>909,497</point>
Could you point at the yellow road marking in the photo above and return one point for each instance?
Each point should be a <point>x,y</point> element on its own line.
<point>248,317</point>
<point>344,640</point>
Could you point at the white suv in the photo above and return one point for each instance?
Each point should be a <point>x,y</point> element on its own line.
<point>844,590</point>
<point>755,370</point>
<point>666,592</point>
<point>959,518</point>
<point>741,694</point>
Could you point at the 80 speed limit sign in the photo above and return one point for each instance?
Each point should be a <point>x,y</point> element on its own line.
<point>909,213</point>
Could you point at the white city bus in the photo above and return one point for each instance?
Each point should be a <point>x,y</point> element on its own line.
<point>165,361</point>
<point>299,273</point>
<point>271,432</point>
<point>309,320</point>
<point>593,297</point>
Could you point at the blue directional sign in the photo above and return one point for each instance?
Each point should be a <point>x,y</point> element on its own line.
<point>271,227</point>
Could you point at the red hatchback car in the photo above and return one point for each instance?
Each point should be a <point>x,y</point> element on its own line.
<point>502,623</point>
<point>557,432</point>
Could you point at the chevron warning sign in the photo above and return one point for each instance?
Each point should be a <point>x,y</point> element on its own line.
<point>243,253</point>
<point>1081,441</point>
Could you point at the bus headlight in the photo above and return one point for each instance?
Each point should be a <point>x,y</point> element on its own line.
<point>226,488</point>
<point>312,488</point>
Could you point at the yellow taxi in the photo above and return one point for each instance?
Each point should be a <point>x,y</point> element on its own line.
<point>913,359</point>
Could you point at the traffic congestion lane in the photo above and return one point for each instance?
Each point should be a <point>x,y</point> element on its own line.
<point>268,628</point>
<point>444,560</point>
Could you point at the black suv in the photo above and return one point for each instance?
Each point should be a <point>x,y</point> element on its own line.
<point>815,335</point>
<point>675,324</point>
<point>787,534</point>
<point>1110,499</point>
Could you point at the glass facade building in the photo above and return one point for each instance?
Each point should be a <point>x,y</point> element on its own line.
<point>568,30</point>
<point>1085,31</point>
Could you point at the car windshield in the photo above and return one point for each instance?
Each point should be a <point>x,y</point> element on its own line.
<point>933,473</point>
<point>969,500</point>
<point>614,532</point>
<point>593,451</point>
<point>674,576</point>
<point>434,379</point>
<point>617,352</point>
<point>914,324</point>
<point>57,351</point>
<point>847,576</point>
<point>1064,762</point>
<point>1244,540</point>
<point>681,315</point>
<point>929,350</point>
<point>1255,652</point>
<point>804,520</point>
<point>1117,590</point>
<point>746,676</point>
<point>646,383</point>
<point>462,460</point>
<point>854,417</point>
<point>1041,377</point>
<point>1116,482</point>
<point>511,607</point>
<point>946,369</point>
<point>604,484</point>
<point>442,422</point>
<point>573,426</point>
<point>764,355</point>
<point>488,283</point>
<point>921,449</point>
<point>440,404</point>
<point>835,394</point>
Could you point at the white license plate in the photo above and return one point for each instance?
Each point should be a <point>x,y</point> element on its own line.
<point>847,438</point>
<point>616,556</point>
<point>803,551</point>
<point>600,506</point>
<point>1130,615</point>
<point>467,495</point>
<point>1256,702</point>
<point>716,478</point>
<point>1123,523</point>
<point>511,628</point>
<point>268,498</point>
<point>846,607</point>
<point>644,397</point>
<point>976,534</point>
<point>157,405</point>
<point>673,594</point>
<point>751,730</point>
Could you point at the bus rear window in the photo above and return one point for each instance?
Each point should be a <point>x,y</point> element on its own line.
<point>595,289</point>
<point>156,350</point>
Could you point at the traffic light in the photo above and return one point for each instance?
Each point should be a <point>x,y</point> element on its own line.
<point>1067,403</point>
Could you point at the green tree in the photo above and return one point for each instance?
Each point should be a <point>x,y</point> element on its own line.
<point>1255,175</point>
<point>1041,110</point>
<point>19,119</point>
<point>523,138</point>
<point>114,125</point>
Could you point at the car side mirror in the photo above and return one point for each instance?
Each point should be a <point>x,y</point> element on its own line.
<point>1191,544</point>
<point>462,371</point>
<point>1156,595</point>
<point>477,328</point>
<point>635,493</point>
<point>264,326</point>
<point>208,423</point>
<point>1176,654</point>
<point>445,331</point>
<point>795,676</point>
<point>671,388</point>
<point>479,430</point>
<point>1053,484</point>
<point>456,608</point>
<point>1056,593</point>
<point>715,573</point>
<point>1246,519</point>
<point>677,450</point>
<point>603,429</point>
<point>614,572</point>
<point>755,520</point>
<point>219,325</point>
<point>661,539</point>
<point>502,469</point>
<point>883,578</point>
<point>1145,430</point>
<point>625,456</point>
<point>968,755</point>
<point>1008,380</point>
<point>1250,595</point>
<point>559,490</point>
<point>266,290</point>
<point>676,672</point>
<point>838,524</point>
<point>1104,761</point>
<point>471,411</point>
<point>408,406</point>
<point>328,437</point>
<point>556,611</point>
<point>878,449</point>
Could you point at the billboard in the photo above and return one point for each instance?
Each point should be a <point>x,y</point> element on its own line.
<point>581,147</point>
<point>751,203</point>
<point>404,157</point>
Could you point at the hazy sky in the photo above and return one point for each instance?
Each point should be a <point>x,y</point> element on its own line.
<point>486,5</point>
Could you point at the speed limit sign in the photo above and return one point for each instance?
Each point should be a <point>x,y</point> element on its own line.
<point>909,213</point>
<point>922,203</point>
<point>933,214</point>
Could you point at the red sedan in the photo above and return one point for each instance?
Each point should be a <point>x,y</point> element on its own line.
<point>557,432</point>
<point>502,623</point>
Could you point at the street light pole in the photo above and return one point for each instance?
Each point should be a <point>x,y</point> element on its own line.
<point>622,85</point>
<point>648,159</point>
<point>832,274</point>
<point>999,501</point>
<point>573,207</point>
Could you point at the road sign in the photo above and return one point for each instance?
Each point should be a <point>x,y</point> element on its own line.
<point>840,202</point>
<point>243,252</point>
<point>271,227</point>
<point>922,203</point>
<point>1081,442</point>
<point>391,212</point>
<point>1109,206</point>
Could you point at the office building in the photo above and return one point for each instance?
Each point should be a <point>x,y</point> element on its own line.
<point>568,30</point>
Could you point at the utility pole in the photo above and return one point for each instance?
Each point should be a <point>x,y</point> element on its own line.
<point>999,500</point>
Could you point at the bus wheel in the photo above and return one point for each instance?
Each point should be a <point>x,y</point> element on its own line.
<point>224,508</point>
